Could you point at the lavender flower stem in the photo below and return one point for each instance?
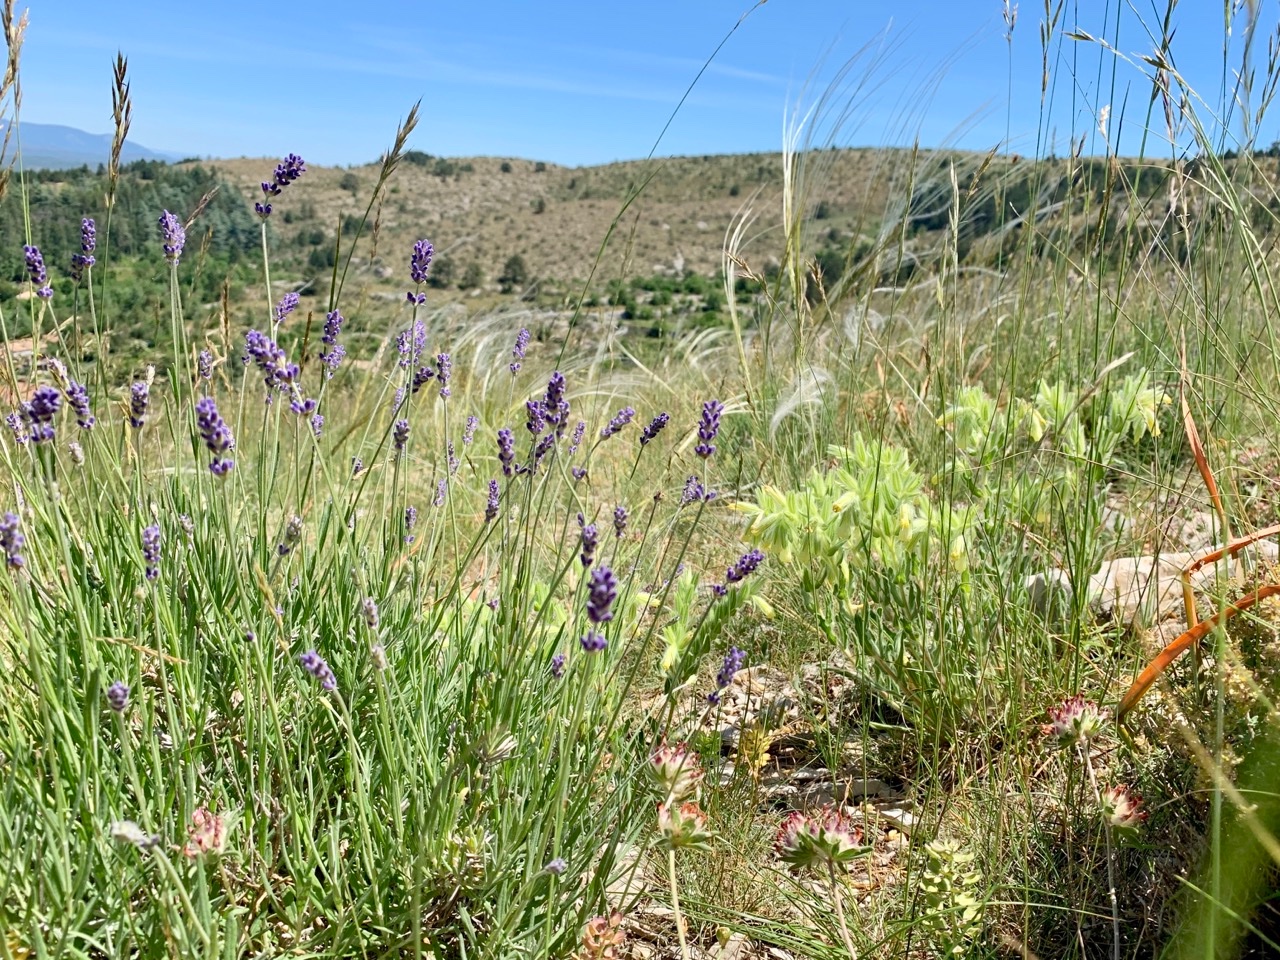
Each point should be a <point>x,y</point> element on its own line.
<point>266,279</point>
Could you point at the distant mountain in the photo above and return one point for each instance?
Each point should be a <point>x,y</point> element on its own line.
<point>52,146</point>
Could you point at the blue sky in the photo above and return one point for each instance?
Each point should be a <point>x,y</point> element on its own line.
<point>589,81</point>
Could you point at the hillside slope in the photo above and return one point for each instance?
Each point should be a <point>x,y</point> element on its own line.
<point>484,210</point>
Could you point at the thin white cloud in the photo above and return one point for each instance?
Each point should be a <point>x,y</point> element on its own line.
<point>414,63</point>
<point>496,45</point>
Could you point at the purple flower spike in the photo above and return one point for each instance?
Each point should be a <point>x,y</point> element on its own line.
<point>204,365</point>
<point>287,170</point>
<point>745,566</point>
<point>557,665</point>
<point>17,424</point>
<point>420,261</point>
<point>332,357</point>
<point>174,237</point>
<point>45,402</point>
<point>410,521</point>
<point>420,378</point>
<point>333,322</point>
<point>593,642</point>
<point>315,665</point>
<point>708,428</point>
<point>620,420</point>
<point>39,413</point>
<point>288,303</point>
<point>442,488</point>
<point>444,370</point>
<point>118,696</point>
<point>278,372</point>
<point>537,421</point>
<point>575,440</point>
<point>469,431</point>
<point>216,436</point>
<point>400,435</point>
<point>590,539</point>
<point>694,491</point>
<point>506,450</point>
<point>619,521</point>
<point>12,541</point>
<point>410,342</point>
<point>317,425</point>
<point>543,448</point>
<point>151,551</point>
<point>491,507</point>
<point>601,593</point>
<point>522,342</point>
<point>654,428</point>
<point>139,399</point>
<point>292,534</point>
<point>555,407</point>
<point>733,661</point>
<point>83,260</point>
<point>36,269</point>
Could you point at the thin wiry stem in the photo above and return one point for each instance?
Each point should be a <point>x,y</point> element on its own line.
<point>1111,860</point>
<point>840,918</point>
<point>675,903</point>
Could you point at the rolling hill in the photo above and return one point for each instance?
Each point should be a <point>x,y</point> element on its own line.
<point>51,146</point>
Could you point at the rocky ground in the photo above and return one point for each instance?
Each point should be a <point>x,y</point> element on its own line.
<point>762,727</point>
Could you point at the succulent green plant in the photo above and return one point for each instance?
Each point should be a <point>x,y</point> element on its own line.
<point>953,910</point>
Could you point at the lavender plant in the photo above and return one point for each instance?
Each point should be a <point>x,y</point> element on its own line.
<point>230,609</point>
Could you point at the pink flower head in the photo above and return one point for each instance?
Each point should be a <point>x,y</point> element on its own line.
<point>1075,720</point>
<point>602,936</point>
<point>1123,808</point>
<point>207,833</point>
<point>676,772</point>
<point>828,837</point>
<point>683,826</point>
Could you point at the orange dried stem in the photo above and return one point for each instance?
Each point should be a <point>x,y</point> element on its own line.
<point>1197,448</point>
<point>1184,642</point>
<point>1202,462</point>
<point>1189,599</point>
<point>1230,550</point>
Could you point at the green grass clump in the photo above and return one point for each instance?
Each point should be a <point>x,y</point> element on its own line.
<point>309,664</point>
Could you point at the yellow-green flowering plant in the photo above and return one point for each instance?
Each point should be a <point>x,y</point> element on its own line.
<point>867,511</point>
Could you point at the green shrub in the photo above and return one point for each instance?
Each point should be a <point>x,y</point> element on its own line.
<point>514,273</point>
